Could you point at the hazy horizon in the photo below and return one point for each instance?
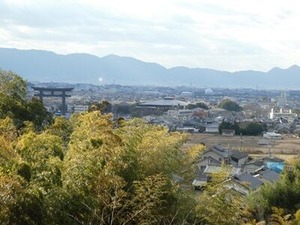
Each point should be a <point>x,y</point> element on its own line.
<point>220,35</point>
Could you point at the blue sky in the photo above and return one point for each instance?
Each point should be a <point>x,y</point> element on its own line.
<point>219,34</point>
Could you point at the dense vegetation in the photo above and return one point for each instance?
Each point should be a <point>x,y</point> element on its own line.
<point>230,105</point>
<point>245,128</point>
<point>13,102</point>
<point>197,105</point>
<point>91,169</point>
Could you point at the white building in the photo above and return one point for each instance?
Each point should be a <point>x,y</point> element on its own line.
<point>272,135</point>
<point>78,108</point>
<point>283,114</point>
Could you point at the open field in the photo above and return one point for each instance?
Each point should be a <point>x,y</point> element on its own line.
<point>289,147</point>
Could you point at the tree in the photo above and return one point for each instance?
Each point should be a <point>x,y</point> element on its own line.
<point>122,109</point>
<point>92,170</point>
<point>125,174</point>
<point>283,194</point>
<point>228,125</point>
<point>61,127</point>
<point>219,204</point>
<point>230,105</point>
<point>12,85</point>
<point>13,102</point>
<point>252,128</point>
<point>197,105</point>
<point>103,107</point>
<point>37,114</point>
<point>201,105</point>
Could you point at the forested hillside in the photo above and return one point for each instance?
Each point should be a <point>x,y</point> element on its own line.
<point>91,169</point>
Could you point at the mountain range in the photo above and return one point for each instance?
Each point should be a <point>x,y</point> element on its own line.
<point>45,66</point>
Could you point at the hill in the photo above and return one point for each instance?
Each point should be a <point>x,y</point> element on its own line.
<point>45,66</point>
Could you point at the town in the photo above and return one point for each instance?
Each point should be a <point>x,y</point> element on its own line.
<point>198,111</point>
<point>188,109</point>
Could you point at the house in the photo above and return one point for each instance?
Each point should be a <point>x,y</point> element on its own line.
<point>269,176</point>
<point>236,185</point>
<point>283,128</point>
<point>274,163</point>
<point>199,183</point>
<point>244,175</point>
<point>263,142</point>
<point>228,132</point>
<point>204,176</point>
<point>272,135</point>
<point>253,166</point>
<point>207,161</point>
<point>240,158</point>
<point>199,112</point>
<point>252,182</point>
<point>212,128</point>
<point>218,153</point>
<point>78,108</point>
<point>224,156</point>
<point>166,104</point>
<point>283,114</point>
<point>209,170</point>
<point>215,112</point>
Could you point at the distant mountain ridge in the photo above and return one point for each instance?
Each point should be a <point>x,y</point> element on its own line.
<point>45,66</point>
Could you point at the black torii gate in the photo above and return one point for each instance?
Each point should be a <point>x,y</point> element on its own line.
<point>53,92</point>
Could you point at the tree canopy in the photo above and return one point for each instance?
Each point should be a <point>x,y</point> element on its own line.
<point>230,105</point>
<point>14,102</point>
<point>245,128</point>
<point>197,105</point>
<point>90,170</point>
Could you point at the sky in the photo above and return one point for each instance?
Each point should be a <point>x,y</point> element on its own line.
<point>229,35</point>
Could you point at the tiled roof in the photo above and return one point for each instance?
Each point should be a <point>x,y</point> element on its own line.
<point>238,155</point>
<point>270,175</point>
<point>253,182</point>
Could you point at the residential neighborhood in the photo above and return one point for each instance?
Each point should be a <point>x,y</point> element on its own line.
<point>248,172</point>
<point>269,116</point>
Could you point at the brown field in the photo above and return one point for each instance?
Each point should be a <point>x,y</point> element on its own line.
<point>287,148</point>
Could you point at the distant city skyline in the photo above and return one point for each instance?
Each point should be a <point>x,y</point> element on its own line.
<point>218,34</point>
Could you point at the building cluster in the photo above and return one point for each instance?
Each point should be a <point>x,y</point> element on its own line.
<point>171,106</point>
<point>177,109</point>
<point>245,174</point>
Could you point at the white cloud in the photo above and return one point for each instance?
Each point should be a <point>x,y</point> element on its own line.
<point>221,34</point>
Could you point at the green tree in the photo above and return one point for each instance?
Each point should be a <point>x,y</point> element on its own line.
<point>94,170</point>
<point>103,107</point>
<point>62,127</point>
<point>201,105</point>
<point>283,194</point>
<point>110,173</point>
<point>14,104</point>
<point>230,105</point>
<point>12,85</point>
<point>252,128</point>
<point>220,204</point>
<point>37,114</point>
<point>8,138</point>
<point>197,105</point>
<point>228,125</point>
<point>122,108</point>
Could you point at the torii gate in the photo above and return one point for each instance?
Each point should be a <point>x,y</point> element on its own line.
<point>53,92</point>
